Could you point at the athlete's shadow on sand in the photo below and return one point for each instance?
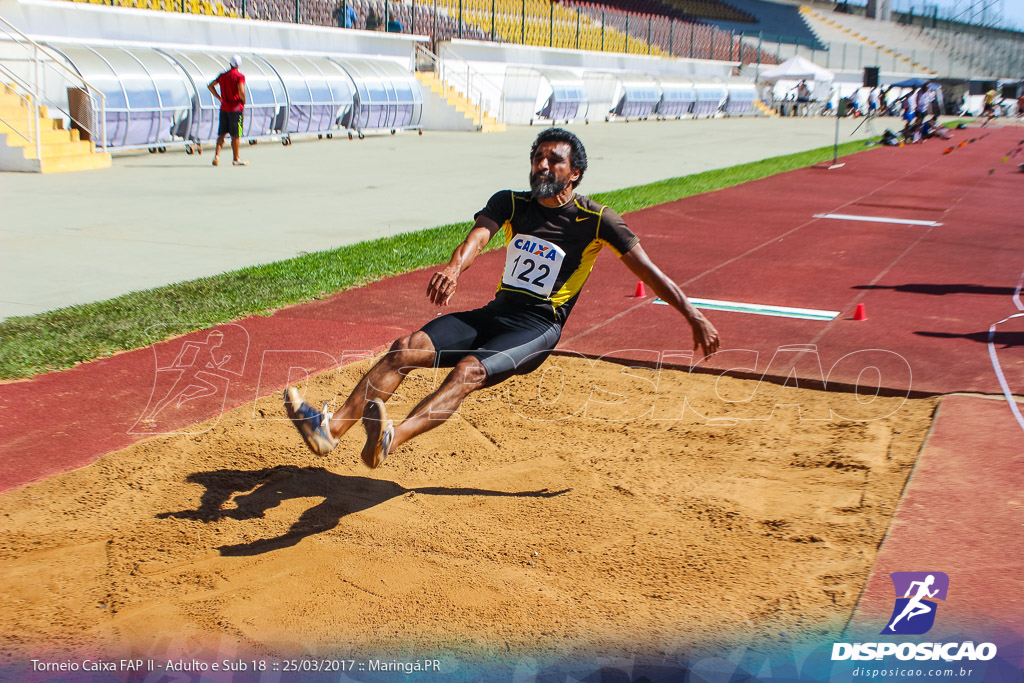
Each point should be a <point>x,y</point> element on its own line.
<point>342,496</point>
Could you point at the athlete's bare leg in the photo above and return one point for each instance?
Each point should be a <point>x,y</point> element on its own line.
<point>413,351</point>
<point>467,376</point>
<point>220,144</point>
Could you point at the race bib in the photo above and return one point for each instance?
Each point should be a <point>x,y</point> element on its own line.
<point>532,264</point>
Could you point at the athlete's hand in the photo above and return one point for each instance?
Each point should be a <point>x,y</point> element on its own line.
<point>705,335</point>
<point>442,287</point>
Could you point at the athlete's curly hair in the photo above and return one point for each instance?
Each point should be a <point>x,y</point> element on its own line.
<point>577,153</point>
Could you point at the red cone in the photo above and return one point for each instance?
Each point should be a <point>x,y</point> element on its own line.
<point>640,291</point>
<point>860,313</point>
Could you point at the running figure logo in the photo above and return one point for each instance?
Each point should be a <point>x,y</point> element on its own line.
<point>195,378</point>
<point>916,593</point>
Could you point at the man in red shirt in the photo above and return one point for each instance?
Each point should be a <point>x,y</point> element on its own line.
<point>232,107</point>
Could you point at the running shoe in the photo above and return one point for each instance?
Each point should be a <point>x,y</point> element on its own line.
<point>380,432</point>
<point>314,426</point>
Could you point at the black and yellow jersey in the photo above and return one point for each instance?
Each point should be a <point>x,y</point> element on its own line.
<point>550,252</point>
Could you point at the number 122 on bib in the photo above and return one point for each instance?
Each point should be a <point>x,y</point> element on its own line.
<point>532,264</point>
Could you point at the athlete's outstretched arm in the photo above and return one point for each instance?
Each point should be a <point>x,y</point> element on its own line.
<point>443,283</point>
<point>704,333</point>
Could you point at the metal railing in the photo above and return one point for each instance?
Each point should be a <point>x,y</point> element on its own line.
<point>34,82</point>
<point>456,72</point>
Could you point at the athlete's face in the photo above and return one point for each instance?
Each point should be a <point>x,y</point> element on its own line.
<point>551,171</point>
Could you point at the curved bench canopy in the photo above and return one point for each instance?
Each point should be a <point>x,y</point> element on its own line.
<point>157,95</point>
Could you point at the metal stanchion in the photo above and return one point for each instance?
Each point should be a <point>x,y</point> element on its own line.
<point>835,147</point>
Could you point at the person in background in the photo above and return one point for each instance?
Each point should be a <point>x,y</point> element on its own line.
<point>990,106</point>
<point>925,100</point>
<point>908,107</point>
<point>854,109</point>
<point>231,84</point>
<point>933,129</point>
<point>803,98</point>
<point>345,15</point>
<point>372,20</point>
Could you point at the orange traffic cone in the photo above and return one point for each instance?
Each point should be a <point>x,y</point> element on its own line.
<point>640,291</point>
<point>860,313</point>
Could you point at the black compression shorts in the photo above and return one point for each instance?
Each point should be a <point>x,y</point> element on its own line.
<point>506,342</point>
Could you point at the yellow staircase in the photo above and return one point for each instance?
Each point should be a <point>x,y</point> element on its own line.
<point>764,108</point>
<point>488,124</point>
<point>62,150</point>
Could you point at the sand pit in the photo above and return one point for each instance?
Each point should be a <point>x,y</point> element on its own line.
<point>652,516</point>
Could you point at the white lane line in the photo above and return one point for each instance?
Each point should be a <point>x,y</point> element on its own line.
<point>999,370</point>
<point>760,309</point>
<point>874,219</point>
<point>1010,400</point>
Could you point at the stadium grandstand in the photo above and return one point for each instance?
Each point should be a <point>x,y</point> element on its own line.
<point>529,60</point>
<point>950,46</point>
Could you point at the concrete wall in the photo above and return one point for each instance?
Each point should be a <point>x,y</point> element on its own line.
<point>489,56</point>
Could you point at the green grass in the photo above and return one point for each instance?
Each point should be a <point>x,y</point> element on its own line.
<point>61,338</point>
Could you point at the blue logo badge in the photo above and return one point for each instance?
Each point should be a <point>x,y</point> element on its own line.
<point>916,595</point>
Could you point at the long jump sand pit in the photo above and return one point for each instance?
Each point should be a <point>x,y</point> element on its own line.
<point>588,507</point>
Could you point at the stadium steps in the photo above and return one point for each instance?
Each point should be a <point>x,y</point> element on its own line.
<point>764,108</point>
<point>460,102</point>
<point>822,20</point>
<point>773,20</point>
<point>62,150</point>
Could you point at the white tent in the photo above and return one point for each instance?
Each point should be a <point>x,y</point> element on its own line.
<point>797,69</point>
<point>780,81</point>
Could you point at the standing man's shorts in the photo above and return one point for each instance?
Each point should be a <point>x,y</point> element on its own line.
<point>230,124</point>
<point>506,342</point>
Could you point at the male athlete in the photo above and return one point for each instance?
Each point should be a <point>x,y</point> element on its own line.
<point>232,109</point>
<point>552,238</point>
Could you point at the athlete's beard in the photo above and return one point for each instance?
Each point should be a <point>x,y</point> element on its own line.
<point>545,185</point>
